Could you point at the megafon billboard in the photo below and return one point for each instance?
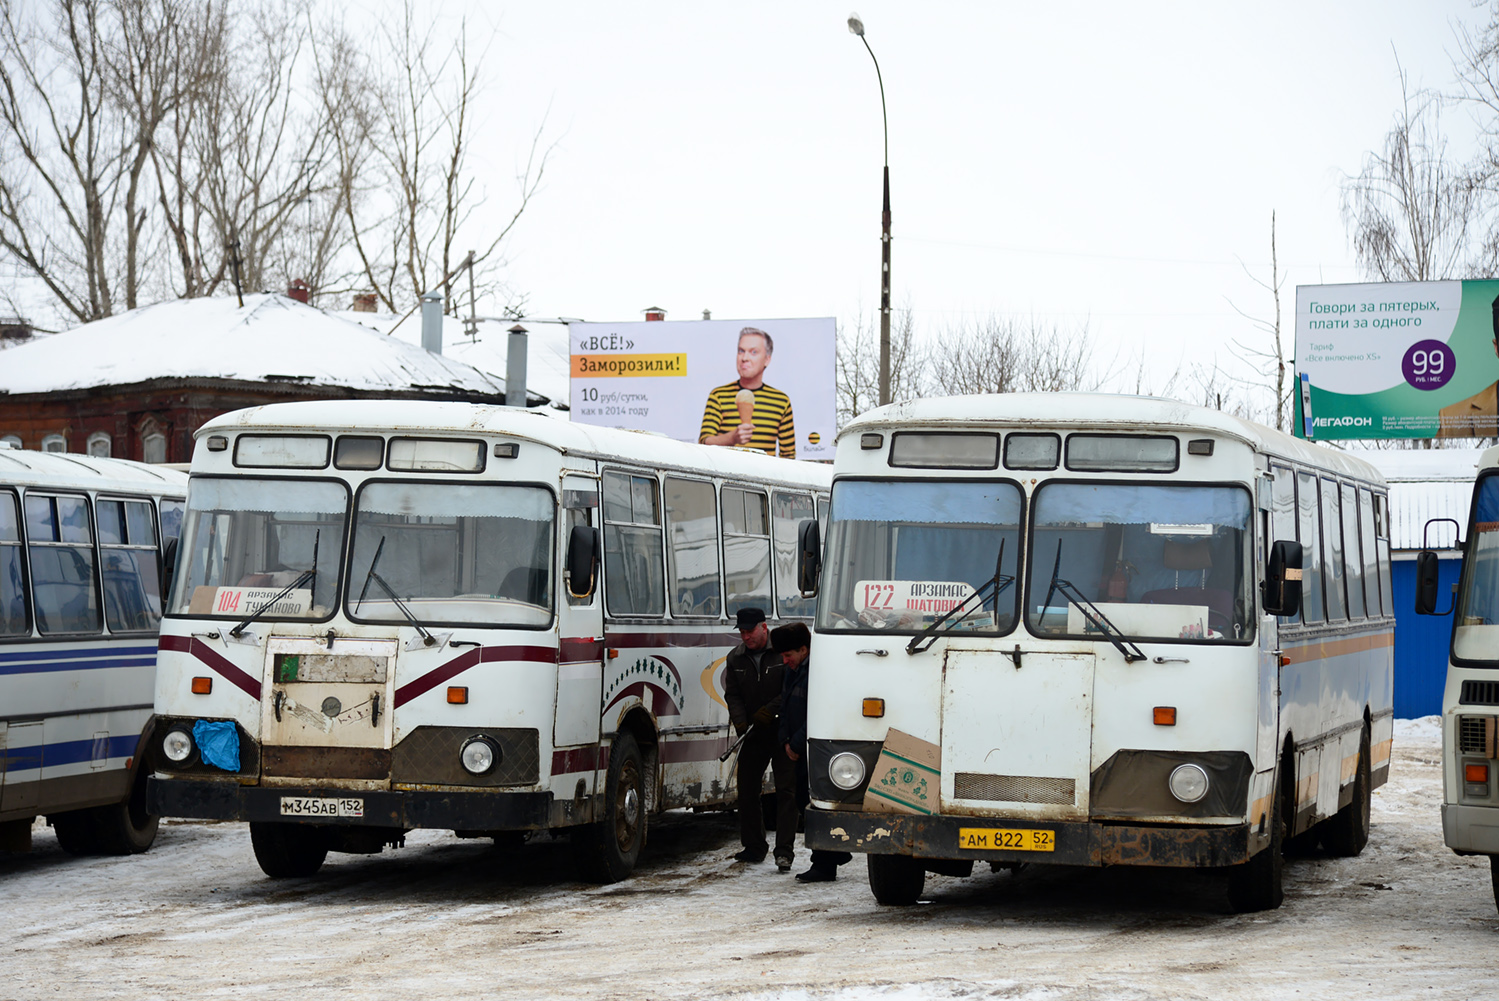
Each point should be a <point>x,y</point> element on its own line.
<point>765,384</point>
<point>1397,360</point>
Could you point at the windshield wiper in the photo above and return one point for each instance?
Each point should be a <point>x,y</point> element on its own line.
<point>1090,611</point>
<point>998,582</point>
<point>427,638</point>
<point>302,578</point>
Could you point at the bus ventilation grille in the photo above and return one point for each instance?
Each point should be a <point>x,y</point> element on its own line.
<point>1480,693</point>
<point>1014,789</point>
<point>1475,735</point>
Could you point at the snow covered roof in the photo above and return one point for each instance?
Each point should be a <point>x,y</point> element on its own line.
<point>1425,484</point>
<point>548,366</point>
<point>271,338</point>
<point>66,469</point>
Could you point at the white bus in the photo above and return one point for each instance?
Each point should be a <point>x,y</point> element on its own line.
<point>81,543</point>
<point>399,615</point>
<point>1065,606</point>
<point>1470,700</point>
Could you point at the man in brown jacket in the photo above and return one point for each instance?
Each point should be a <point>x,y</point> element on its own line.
<point>752,689</point>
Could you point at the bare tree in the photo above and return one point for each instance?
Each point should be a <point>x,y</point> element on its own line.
<point>1268,360</point>
<point>1002,355</point>
<point>1411,210</point>
<point>858,365</point>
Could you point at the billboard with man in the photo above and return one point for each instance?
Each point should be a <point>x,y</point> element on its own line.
<point>762,384</point>
<point>1397,360</point>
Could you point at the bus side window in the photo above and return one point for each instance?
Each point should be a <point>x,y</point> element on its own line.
<point>1370,551</point>
<point>634,577</point>
<point>1283,514</point>
<point>1311,548</point>
<point>1352,554</point>
<point>746,549</point>
<point>171,519</point>
<point>12,584</point>
<point>1382,535</point>
<point>788,512</point>
<point>128,565</point>
<point>62,564</point>
<point>692,527</point>
<point>1332,551</point>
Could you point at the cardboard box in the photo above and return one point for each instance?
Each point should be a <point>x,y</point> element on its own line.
<point>907,776</point>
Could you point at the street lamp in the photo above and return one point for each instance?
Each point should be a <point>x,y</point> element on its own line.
<point>856,27</point>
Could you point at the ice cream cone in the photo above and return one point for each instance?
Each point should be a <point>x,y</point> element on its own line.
<point>745,401</point>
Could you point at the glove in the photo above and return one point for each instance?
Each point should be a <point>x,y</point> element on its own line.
<point>764,716</point>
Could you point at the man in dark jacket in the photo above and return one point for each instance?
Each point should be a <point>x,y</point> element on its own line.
<point>793,642</point>
<point>752,689</point>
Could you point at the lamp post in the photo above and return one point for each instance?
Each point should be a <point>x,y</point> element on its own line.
<point>856,26</point>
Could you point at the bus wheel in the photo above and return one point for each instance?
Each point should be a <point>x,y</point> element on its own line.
<point>1494,876</point>
<point>287,850</point>
<point>75,831</point>
<point>1347,831</point>
<point>126,828</point>
<point>1256,885</point>
<point>897,880</point>
<point>606,850</point>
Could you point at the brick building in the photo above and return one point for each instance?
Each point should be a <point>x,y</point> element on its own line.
<point>136,386</point>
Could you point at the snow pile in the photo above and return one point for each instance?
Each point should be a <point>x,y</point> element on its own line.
<point>272,338</point>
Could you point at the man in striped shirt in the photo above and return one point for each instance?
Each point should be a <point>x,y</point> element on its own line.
<point>770,425</point>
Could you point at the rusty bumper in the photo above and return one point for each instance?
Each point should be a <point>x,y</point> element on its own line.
<point>1077,842</point>
<point>478,810</point>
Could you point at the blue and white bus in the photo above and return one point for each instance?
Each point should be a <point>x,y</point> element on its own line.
<point>81,568</point>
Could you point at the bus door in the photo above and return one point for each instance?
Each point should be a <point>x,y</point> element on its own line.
<point>326,712</point>
<point>1017,737</point>
<point>580,625</point>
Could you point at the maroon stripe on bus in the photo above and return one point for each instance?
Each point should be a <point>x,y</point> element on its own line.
<point>693,750</point>
<point>580,759</point>
<point>459,664</point>
<point>215,662</point>
<point>580,650</point>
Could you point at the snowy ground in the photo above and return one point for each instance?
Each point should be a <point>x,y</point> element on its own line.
<point>444,918</point>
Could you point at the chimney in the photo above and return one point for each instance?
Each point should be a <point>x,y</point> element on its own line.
<point>654,313</point>
<point>299,290</point>
<point>707,314</point>
<point>515,368</point>
<point>365,302</point>
<point>432,321</point>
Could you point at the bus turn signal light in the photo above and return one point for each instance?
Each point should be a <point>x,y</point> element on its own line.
<point>1476,774</point>
<point>202,686</point>
<point>457,695</point>
<point>874,708</point>
<point>1164,715</point>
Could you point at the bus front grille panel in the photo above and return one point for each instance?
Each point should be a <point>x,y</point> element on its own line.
<point>1475,735</point>
<point>429,755</point>
<point>1480,693</point>
<point>1015,789</point>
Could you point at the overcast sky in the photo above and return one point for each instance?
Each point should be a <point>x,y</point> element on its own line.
<point>1102,163</point>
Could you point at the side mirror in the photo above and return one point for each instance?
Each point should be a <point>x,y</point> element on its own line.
<point>168,569</point>
<point>1427,575</point>
<point>808,557</point>
<point>1281,591</point>
<point>581,572</point>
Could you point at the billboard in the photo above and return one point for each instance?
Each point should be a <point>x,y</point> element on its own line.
<point>1397,360</point>
<point>766,384</point>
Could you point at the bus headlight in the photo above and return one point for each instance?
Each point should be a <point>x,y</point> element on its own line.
<point>846,770</point>
<point>177,746</point>
<point>1188,783</point>
<point>479,755</point>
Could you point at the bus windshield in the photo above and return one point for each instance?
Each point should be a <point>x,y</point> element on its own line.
<point>452,553</point>
<point>247,540</point>
<point>902,553</point>
<point>1160,562</point>
<point>1476,630</point>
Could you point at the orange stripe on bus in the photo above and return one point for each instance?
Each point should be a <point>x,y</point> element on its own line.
<point>1381,751</point>
<point>1322,649</point>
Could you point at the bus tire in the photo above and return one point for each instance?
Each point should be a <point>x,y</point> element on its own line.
<point>1346,832</point>
<point>286,851</point>
<point>896,880</point>
<point>75,831</point>
<point>607,849</point>
<point>126,827</point>
<point>1257,885</point>
<point>1494,876</point>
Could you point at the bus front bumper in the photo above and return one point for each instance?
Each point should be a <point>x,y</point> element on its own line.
<point>485,810</point>
<point>1077,842</point>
